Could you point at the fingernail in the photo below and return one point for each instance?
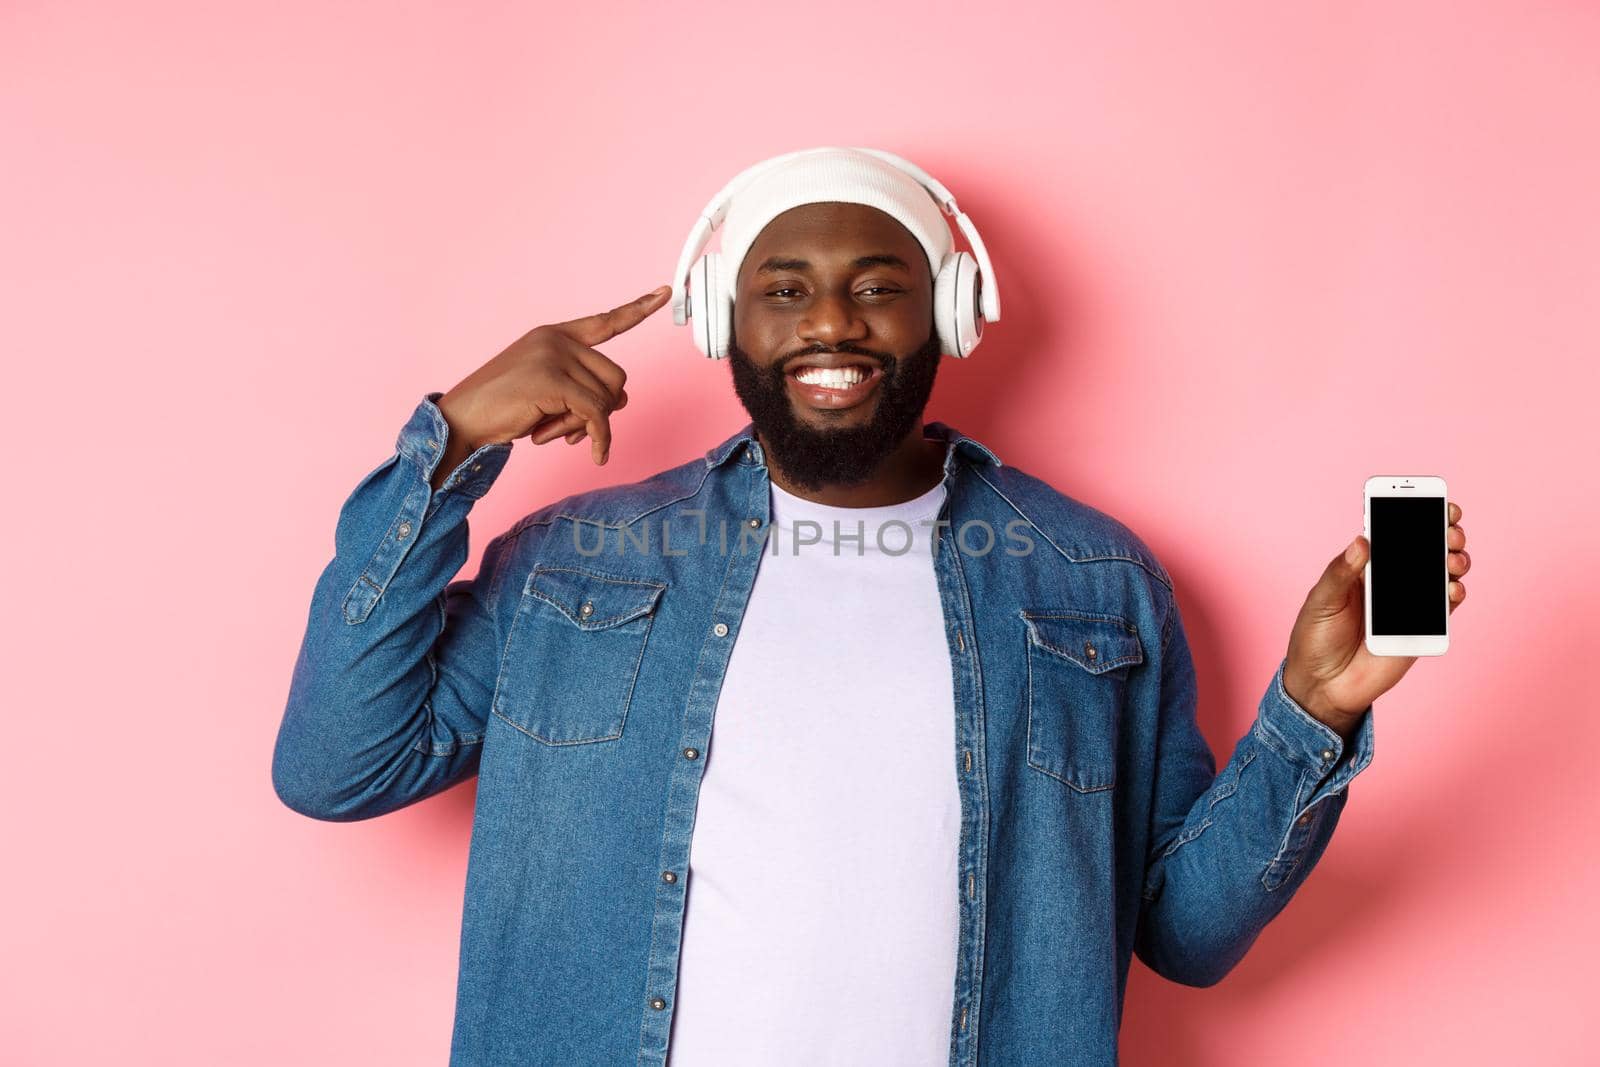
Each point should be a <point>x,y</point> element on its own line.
<point>1353,551</point>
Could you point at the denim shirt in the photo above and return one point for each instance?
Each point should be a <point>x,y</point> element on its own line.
<point>577,677</point>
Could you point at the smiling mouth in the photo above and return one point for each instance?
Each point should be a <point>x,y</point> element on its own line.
<point>833,389</point>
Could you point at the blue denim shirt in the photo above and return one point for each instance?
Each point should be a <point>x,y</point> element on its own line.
<point>577,676</point>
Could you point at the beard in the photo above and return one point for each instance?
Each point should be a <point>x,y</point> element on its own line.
<point>846,455</point>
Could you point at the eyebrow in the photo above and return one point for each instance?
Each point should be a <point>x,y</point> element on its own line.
<point>882,259</point>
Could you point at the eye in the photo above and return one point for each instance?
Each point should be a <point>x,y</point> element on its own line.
<point>885,289</point>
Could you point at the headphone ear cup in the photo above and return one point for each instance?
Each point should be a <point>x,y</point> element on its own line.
<point>955,305</point>
<point>708,314</point>
<point>720,298</point>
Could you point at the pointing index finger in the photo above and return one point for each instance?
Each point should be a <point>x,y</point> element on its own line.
<point>595,329</point>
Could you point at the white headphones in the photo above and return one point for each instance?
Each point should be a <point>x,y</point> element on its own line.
<point>965,293</point>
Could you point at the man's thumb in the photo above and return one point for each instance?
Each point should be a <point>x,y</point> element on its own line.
<point>1355,556</point>
<point>1332,592</point>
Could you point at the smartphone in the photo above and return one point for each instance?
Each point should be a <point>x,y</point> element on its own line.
<point>1406,581</point>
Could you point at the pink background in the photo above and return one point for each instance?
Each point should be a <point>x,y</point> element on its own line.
<point>1250,255</point>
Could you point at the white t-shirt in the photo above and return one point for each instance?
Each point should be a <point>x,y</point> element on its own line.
<point>822,903</point>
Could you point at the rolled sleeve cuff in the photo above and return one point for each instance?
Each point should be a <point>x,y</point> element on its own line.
<point>1296,735</point>
<point>423,440</point>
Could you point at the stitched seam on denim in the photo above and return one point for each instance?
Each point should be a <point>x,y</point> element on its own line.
<point>1028,660</point>
<point>546,516</point>
<point>1299,855</point>
<point>644,608</point>
<point>1131,639</point>
<point>494,704</point>
<point>1151,888</point>
<point>462,483</point>
<point>511,538</point>
<point>745,437</point>
<point>627,701</point>
<point>610,576</point>
<point>547,741</point>
<point>428,748</point>
<point>1216,796</point>
<point>1283,845</point>
<point>1324,732</point>
<point>1274,741</point>
<point>509,542</point>
<point>705,643</point>
<point>979,906</point>
<point>424,743</point>
<point>1338,781</point>
<point>403,551</point>
<point>1185,837</point>
<point>620,523</point>
<point>505,657</point>
<point>494,551</point>
<point>1267,879</point>
<point>1073,785</point>
<point>1087,616</point>
<point>534,518</point>
<point>1163,579</point>
<point>1249,754</point>
<point>633,681</point>
<point>1166,623</point>
<point>366,568</point>
<point>705,640</point>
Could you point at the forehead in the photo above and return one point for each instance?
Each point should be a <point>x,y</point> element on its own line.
<point>833,229</point>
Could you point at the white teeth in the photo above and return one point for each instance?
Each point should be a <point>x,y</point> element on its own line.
<point>832,379</point>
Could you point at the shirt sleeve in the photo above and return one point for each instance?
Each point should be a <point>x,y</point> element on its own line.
<point>390,691</point>
<point>1229,849</point>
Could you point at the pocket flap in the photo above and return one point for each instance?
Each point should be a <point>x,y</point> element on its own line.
<point>594,601</point>
<point>1095,642</point>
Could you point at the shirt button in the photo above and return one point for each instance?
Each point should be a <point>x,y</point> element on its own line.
<point>1088,650</point>
<point>669,877</point>
<point>405,528</point>
<point>720,629</point>
<point>1302,820</point>
<point>657,1003</point>
<point>1327,753</point>
<point>754,523</point>
<point>691,753</point>
<point>586,610</point>
<point>477,466</point>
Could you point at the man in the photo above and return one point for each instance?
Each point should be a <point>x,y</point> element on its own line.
<point>845,742</point>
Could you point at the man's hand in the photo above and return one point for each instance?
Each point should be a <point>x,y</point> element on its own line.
<point>1329,672</point>
<point>549,383</point>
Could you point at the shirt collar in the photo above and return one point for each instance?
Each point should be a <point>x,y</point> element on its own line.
<point>745,439</point>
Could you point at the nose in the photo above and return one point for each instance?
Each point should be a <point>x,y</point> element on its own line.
<point>831,320</point>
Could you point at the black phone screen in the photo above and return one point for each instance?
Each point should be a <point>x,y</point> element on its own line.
<point>1408,565</point>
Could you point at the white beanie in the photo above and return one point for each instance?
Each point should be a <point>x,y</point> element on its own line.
<point>831,174</point>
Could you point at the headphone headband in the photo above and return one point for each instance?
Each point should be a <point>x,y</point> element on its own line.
<point>716,210</point>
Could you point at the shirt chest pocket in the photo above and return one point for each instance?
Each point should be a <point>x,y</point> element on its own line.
<point>570,663</point>
<point>1078,664</point>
